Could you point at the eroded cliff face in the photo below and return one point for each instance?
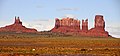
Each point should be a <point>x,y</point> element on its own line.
<point>72,26</point>
<point>99,24</point>
<point>85,25</point>
<point>17,27</point>
<point>66,25</point>
<point>99,27</point>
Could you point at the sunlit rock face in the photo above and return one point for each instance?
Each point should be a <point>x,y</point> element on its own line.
<point>99,22</point>
<point>17,27</point>
<point>85,25</point>
<point>72,26</point>
<point>66,25</point>
<point>99,27</point>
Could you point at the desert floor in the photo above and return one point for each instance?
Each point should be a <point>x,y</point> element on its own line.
<point>54,44</point>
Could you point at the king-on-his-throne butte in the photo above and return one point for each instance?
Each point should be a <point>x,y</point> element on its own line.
<point>72,26</point>
<point>17,27</point>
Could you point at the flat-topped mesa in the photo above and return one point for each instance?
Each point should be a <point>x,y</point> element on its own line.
<point>70,22</point>
<point>66,25</point>
<point>17,27</point>
<point>85,25</point>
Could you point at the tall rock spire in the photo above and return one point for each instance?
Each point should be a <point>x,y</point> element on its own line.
<point>85,25</point>
<point>17,20</point>
<point>99,22</point>
<point>57,24</point>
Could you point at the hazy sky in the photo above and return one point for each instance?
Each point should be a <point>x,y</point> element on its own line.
<point>40,14</point>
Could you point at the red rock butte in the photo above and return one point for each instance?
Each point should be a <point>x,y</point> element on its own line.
<point>17,27</point>
<point>72,26</point>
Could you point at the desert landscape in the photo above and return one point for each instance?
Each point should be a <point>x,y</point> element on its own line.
<point>59,28</point>
<point>56,44</point>
<point>65,39</point>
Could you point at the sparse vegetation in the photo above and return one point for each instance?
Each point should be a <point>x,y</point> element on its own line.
<point>54,43</point>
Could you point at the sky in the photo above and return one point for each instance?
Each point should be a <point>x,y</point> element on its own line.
<point>41,14</point>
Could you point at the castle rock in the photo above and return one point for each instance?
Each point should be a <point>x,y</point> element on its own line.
<point>66,25</point>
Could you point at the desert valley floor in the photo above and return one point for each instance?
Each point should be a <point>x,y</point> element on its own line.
<point>56,44</point>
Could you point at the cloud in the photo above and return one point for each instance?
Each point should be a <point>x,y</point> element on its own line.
<point>69,15</point>
<point>41,20</point>
<point>114,31</point>
<point>4,23</point>
<point>68,9</point>
<point>40,25</point>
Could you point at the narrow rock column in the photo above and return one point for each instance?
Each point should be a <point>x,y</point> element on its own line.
<point>85,25</point>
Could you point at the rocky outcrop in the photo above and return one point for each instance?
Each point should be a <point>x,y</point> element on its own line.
<point>99,22</point>
<point>99,27</point>
<point>17,27</point>
<point>66,25</point>
<point>85,25</point>
<point>72,26</point>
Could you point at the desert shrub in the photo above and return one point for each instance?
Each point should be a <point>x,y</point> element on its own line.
<point>83,50</point>
<point>106,49</point>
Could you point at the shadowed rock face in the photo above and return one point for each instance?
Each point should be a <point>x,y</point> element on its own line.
<point>72,26</point>
<point>16,27</point>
